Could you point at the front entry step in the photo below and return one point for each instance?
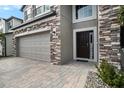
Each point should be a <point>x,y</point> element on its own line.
<point>82,60</point>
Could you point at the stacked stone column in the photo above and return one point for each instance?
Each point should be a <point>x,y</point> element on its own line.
<point>109,32</point>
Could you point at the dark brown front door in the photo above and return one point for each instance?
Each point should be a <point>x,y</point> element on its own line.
<point>83,45</point>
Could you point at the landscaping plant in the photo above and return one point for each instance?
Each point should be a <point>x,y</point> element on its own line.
<point>110,74</point>
<point>121,15</point>
<point>2,36</point>
<point>121,22</point>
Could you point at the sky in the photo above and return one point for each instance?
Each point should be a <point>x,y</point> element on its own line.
<point>7,11</point>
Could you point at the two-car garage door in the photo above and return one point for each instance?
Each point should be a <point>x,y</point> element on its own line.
<point>35,46</point>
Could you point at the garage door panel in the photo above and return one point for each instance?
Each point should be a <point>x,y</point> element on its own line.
<point>35,46</point>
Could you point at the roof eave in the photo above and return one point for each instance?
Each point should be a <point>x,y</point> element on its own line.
<point>22,7</point>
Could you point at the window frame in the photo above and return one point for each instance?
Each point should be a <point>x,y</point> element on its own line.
<point>94,29</point>
<point>10,24</point>
<point>26,10</point>
<point>94,11</point>
<point>28,18</point>
<point>42,12</point>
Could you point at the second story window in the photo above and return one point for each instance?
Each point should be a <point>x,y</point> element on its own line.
<point>84,12</point>
<point>41,9</point>
<point>10,24</point>
<point>27,14</point>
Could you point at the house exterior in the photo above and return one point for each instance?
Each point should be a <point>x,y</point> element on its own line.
<point>1,48</point>
<point>5,27</point>
<point>61,33</point>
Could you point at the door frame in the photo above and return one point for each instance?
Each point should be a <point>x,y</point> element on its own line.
<point>95,43</point>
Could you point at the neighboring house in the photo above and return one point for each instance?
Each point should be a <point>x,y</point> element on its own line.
<point>5,27</point>
<point>1,48</point>
<point>61,33</point>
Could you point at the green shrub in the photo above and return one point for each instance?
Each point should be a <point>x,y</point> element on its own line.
<point>121,15</point>
<point>110,74</point>
<point>2,36</point>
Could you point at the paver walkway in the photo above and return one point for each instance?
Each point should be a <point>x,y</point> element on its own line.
<point>21,72</point>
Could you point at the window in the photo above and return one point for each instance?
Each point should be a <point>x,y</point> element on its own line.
<point>41,9</point>
<point>47,7</point>
<point>27,14</point>
<point>35,10</point>
<point>84,12</point>
<point>10,24</point>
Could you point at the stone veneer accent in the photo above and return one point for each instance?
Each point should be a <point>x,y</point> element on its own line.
<point>109,31</point>
<point>52,22</point>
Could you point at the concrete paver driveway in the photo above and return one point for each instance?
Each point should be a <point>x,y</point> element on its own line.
<point>20,72</point>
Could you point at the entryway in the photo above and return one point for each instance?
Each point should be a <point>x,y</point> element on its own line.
<point>85,44</point>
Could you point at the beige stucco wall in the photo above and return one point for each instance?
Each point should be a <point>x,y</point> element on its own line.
<point>66,34</point>
<point>85,24</point>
